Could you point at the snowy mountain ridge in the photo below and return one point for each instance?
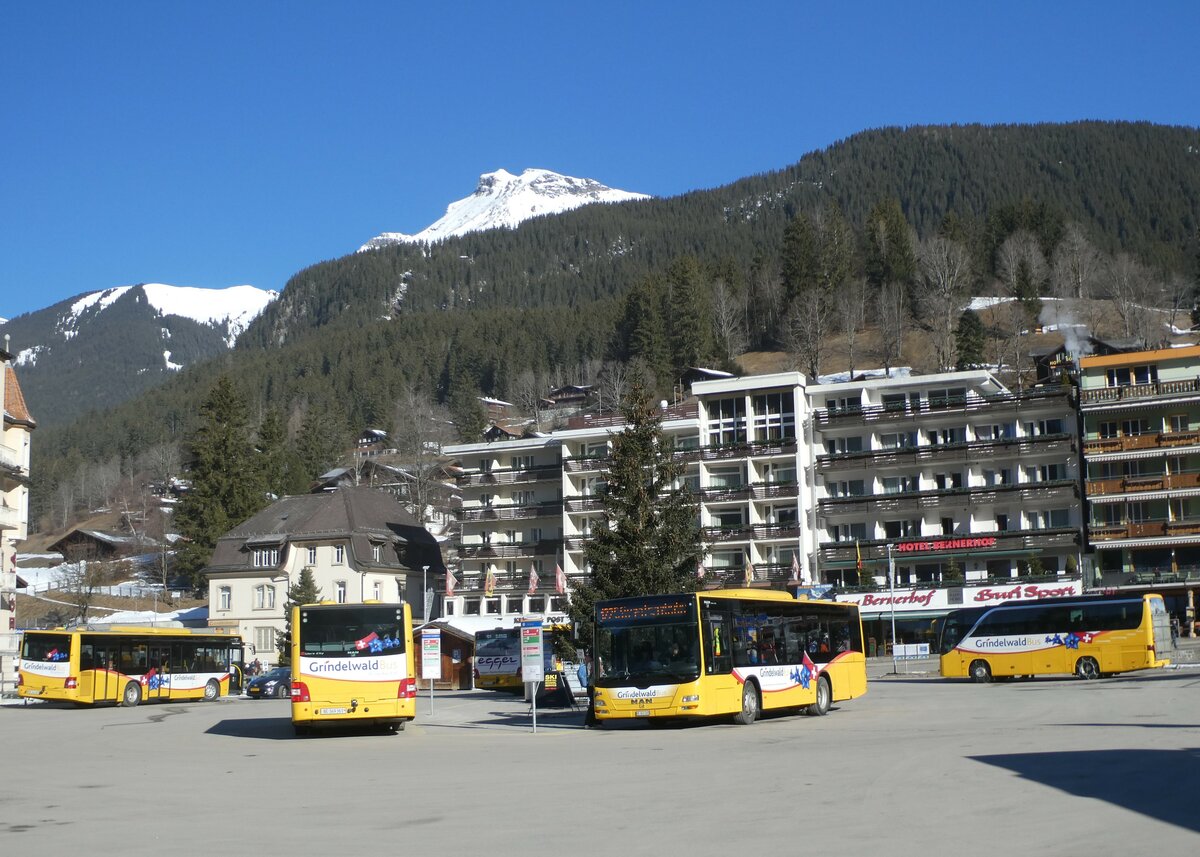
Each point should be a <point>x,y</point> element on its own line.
<point>503,200</point>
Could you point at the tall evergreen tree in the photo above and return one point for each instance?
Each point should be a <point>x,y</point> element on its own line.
<point>969,341</point>
<point>690,314</point>
<point>226,478</point>
<point>648,541</point>
<point>303,591</point>
<point>280,464</point>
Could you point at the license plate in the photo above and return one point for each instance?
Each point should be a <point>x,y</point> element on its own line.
<point>332,710</point>
<point>641,712</point>
<point>34,692</point>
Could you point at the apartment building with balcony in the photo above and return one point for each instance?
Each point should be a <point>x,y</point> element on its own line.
<point>510,529</point>
<point>967,488</point>
<point>1141,422</point>
<point>973,486</point>
<point>15,435</point>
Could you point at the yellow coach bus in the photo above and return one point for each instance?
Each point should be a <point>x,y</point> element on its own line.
<point>126,665</point>
<point>1089,636</point>
<point>723,652</point>
<point>352,664</point>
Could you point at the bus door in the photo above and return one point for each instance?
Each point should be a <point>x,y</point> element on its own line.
<point>716,625</point>
<point>158,671</point>
<point>87,671</point>
<point>104,652</point>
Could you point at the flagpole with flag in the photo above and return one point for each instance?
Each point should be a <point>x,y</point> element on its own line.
<point>533,580</point>
<point>489,583</point>
<point>451,582</point>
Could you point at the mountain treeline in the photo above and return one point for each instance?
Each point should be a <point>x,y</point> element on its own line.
<point>892,229</point>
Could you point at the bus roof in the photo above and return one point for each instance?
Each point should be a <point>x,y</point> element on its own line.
<point>1070,599</point>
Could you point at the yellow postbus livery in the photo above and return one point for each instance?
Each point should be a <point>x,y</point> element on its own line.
<point>725,652</point>
<point>126,665</point>
<point>1089,636</point>
<point>352,664</point>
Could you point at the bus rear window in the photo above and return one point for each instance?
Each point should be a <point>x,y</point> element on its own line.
<point>46,647</point>
<point>352,632</point>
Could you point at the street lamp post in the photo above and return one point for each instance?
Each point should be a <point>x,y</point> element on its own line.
<point>424,594</point>
<point>892,599</point>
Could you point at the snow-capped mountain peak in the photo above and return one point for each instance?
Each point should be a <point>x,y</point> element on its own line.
<point>503,200</point>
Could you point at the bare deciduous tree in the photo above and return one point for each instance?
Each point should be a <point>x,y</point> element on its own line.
<point>729,320</point>
<point>890,312</point>
<point>81,581</point>
<point>612,385</point>
<point>852,308</point>
<point>528,391</point>
<point>806,331</point>
<point>942,291</point>
<point>1022,270</point>
<point>1076,267</point>
<point>421,429</point>
<point>1129,287</point>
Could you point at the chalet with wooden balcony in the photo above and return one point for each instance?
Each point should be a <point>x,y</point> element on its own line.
<point>1141,423</point>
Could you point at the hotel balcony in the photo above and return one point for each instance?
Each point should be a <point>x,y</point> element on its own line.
<point>1154,529</point>
<point>509,550</point>
<point>551,508</point>
<point>750,532</point>
<point>975,450</point>
<point>1107,395</point>
<point>10,518</point>
<point>935,498</point>
<point>832,417</point>
<point>875,550</point>
<point>764,575</point>
<point>509,476</point>
<point>1165,441</point>
<point>1142,484</point>
<point>11,468</point>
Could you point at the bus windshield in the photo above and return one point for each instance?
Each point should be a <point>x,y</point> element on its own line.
<point>352,632</point>
<point>954,627</point>
<point>648,640</point>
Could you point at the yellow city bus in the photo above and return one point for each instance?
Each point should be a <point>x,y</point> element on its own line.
<point>723,652</point>
<point>352,664</point>
<point>127,664</point>
<point>498,657</point>
<point>1089,636</point>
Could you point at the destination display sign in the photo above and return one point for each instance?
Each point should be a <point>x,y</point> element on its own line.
<point>634,611</point>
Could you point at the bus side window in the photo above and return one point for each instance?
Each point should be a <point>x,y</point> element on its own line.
<point>87,660</point>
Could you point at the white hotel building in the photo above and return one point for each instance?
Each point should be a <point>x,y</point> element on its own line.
<point>975,488</point>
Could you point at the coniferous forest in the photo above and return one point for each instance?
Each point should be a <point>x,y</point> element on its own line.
<point>891,229</point>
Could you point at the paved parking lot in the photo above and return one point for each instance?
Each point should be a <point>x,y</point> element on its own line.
<point>919,766</point>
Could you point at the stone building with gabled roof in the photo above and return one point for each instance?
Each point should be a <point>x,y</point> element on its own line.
<point>360,544</point>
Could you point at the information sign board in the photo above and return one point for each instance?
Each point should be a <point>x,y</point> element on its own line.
<point>431,653</point>
<point>532,664</point>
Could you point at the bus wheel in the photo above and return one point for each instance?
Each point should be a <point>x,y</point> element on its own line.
<point>1087,668</point>
<point>749,712</point>
<point>824,697</point>
<point>132,695</point>
<point>981,672</point>
<point>211,690</point>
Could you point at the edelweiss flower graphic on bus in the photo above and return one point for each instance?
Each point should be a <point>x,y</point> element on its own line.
<point>1071,640</point>
<point>376,644</point>
<point>56,655</point>
<point>805,673</point>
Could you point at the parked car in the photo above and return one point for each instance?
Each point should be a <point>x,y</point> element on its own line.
<point>274,683</point>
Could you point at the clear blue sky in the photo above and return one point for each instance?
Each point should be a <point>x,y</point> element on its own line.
<point>214,144</point>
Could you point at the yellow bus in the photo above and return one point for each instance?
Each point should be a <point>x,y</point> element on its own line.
<point>722,652</point>
<point>352,664</point>
<point>127,665</point>
<point>498,657</point>
<point>1089,636</point>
